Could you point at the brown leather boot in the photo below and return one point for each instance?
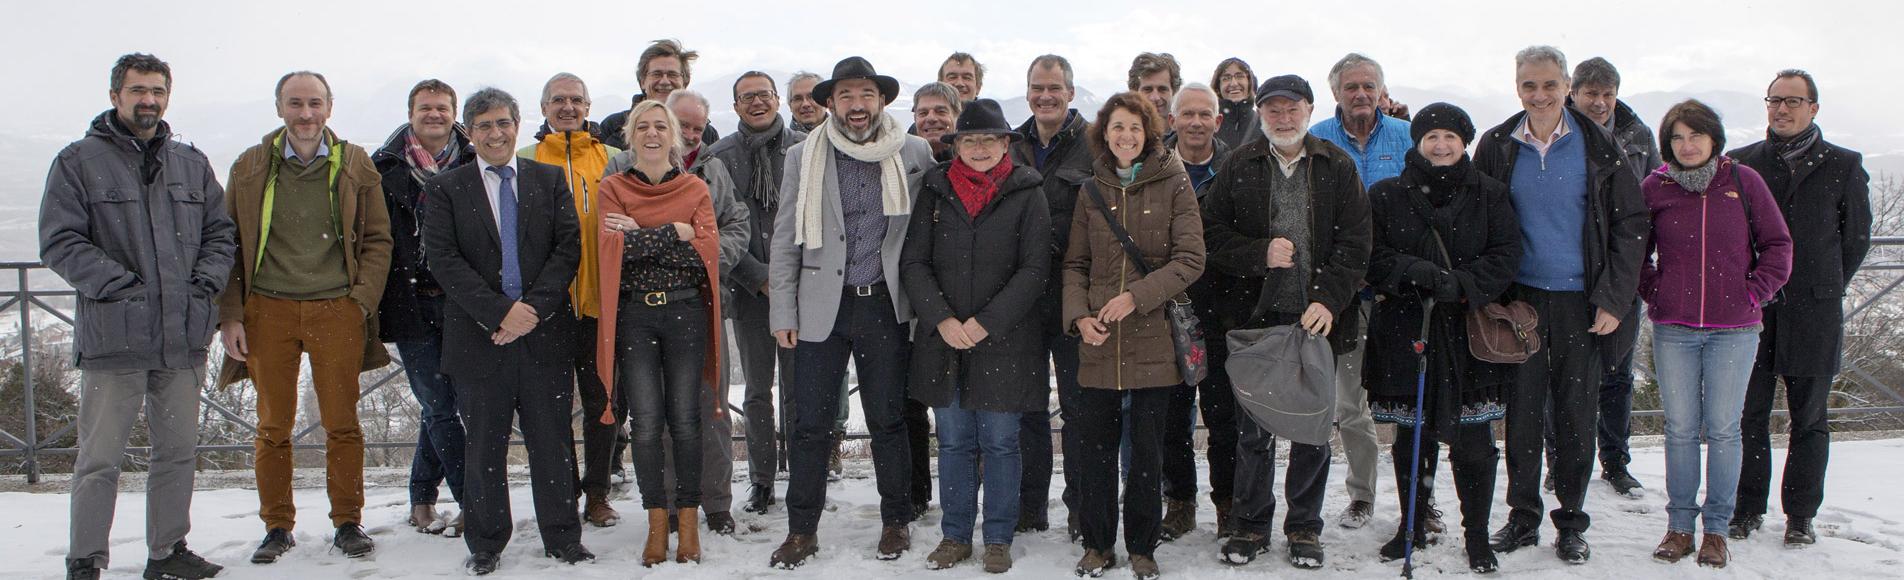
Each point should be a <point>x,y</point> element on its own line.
<point>1223,530</point>
<point>1712,550</point>
<point>795,551</point>
<point>689,549</point>
<point>1676,546</point>
<point>656,551</point>
<point>598,513</point>
<point>893,541</point>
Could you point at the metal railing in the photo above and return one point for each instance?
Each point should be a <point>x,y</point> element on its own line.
<point>30,445</point>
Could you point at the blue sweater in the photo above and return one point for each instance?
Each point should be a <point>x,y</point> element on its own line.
<point>1550,196</point>
<point>1385,155</point>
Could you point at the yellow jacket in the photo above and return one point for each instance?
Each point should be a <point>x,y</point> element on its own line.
<point>583,159</point>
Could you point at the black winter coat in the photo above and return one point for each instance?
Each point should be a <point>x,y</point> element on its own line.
<point>1481,233</point>
<point>1827,205</point>
<point>991,267</point>
<point>399,317</point>
<point>1236,232</point>
<point>1063,174</point>
<point>1614,239</point>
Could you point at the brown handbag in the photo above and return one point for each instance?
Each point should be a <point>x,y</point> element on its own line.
<point>1498,333</point>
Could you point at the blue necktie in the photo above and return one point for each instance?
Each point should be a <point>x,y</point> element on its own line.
<point>506,226</point>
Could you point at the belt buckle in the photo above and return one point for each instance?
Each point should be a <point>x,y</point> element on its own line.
<point>863,291</point>
<point>655,298</point>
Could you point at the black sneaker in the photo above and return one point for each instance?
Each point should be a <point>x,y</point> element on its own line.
<point>1571,547</point>
<point>1305,550</point>
<point>759,500</point>
<point>482,563</point>
<point>1798,533</point>
<point>276,543</point>
<point>571,554</point>
<point>720,523</point>
<point>1243,548</point>
<point>181,565</point>
<point>352,541</point>
<point>1743,526</point>
<point>1623,482</point>
<point>81,570</point>
<point>1514,536</point>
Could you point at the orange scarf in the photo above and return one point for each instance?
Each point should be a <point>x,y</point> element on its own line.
<point>682,199</point>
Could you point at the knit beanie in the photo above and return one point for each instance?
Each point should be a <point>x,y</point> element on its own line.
<point>1441,116</point>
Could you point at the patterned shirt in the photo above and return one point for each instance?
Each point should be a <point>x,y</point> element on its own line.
<point>865,218</point>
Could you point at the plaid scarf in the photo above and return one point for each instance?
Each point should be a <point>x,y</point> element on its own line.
<point>424,164</point>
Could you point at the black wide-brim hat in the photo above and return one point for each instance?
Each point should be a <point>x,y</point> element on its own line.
<point>855,68</point>
<point>981,117</point>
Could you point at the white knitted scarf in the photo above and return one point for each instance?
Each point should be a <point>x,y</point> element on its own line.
<point>818,153</point>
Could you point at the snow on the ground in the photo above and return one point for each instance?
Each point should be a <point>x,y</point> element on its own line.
<point>1861,534</point>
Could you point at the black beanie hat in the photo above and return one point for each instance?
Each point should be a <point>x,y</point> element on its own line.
<point>1441,116</point>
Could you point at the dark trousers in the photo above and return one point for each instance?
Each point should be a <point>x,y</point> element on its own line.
<point>439,450</point>
<point>867,332</point>
<point>1218,403</point>
<point>598,439</point>
<point>541,398</point>
<point>1809,450</point>
<point>1304,485</point>
<point>1034,435</point>
<point>1179,444</point>
<point>760,357</point>
<point>659,354</point>
<point>1100,427</point>
<point>1616,416</point>
<point>919,445</point>
<point>1566,373</point>
<point>1474,459</point>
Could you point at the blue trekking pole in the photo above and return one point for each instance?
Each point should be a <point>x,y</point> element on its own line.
<point>1414,470</point>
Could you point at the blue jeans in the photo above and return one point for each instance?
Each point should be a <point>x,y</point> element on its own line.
<point>439,449</point>
<point>963,435</point>
<point>1702,380</point>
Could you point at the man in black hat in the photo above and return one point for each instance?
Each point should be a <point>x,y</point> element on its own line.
<point>834,288</point>
<point>1287,191</point>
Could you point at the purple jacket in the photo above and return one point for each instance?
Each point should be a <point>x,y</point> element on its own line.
<point>1699,269</point>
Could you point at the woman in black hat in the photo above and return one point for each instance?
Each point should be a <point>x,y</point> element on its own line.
<point>1439,201</point>
<point>976,259</point>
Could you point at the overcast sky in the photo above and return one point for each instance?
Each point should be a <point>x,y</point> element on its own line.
<point>226,56</point>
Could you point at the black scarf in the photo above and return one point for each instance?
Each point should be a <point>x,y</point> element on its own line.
<point>1795,148</point>
<point>765,157</point>
<point>1440,182</point>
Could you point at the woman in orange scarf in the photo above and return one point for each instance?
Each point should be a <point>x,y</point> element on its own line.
<point>660,323</point>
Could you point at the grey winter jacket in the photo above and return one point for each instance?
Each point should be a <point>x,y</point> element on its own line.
<point>147,255</point>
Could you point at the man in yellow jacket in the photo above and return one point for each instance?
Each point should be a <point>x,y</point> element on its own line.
<point>570,141</point>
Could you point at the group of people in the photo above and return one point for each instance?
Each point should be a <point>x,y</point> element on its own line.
<point>959,264</point>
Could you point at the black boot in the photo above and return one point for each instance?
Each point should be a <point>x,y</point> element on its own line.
<point>1481,558</point>
<point>761,499</point>
<point>1514,536</point>
<point>81,570</point>
<point>181,565</point>
<point>276,542</point>
<point>1743,526</point>
<point>352,541</point>
<point>1397,547</point>
<point>1798,533</point>
<point>1571,547</point>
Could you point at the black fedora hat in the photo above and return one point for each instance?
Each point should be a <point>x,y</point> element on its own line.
<point>981,117</point>
<point>855,68</point>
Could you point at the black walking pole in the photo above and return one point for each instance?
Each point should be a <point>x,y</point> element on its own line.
<point>1414,470</point>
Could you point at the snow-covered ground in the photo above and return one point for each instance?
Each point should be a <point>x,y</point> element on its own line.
<point>1861,534</point>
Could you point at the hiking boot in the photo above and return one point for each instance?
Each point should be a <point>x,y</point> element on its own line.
<point>1623,482</point>
<point>795,551</point>
<point>720,523</point>
<point>895,540</point>
<point>1798,533</point>
<point>598,513</point>
<point>574,553</point>
<point>1223,530</point>
<point>1713,552</point>
<point>1305,550</point>
<point>1431,521</point>
<point>759,500</point>
<point>1514,536</point>
<point>997,559</point>
<point>1743,526</point>
<point>423,518</point>
<point>1676,546</point>
<point>352,541</point>
<point>181,565</point>
<point>276,542</point>
<point>1356,516</point>
<point>1243,548</point>
<point>949,553</point>
<point>1144,567</point>
<point>1571,547</point>
<point>1094,563</point>
<point>1180,517</point>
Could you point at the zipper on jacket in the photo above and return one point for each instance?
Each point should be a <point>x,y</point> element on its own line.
<point>1704,205</point>
<point>1123,276</point>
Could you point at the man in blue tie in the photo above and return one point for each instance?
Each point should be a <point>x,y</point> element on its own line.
<point>501,237</point>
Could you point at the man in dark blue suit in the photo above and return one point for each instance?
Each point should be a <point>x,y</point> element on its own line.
<point>502,240</point>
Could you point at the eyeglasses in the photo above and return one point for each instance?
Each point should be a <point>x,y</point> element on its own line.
<point>1788,102</point>
<point>754,97</point>
<point>573,101</point>
<point>975,141</point>
<point>484,127</point>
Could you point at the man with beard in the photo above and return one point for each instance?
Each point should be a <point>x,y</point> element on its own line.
<point>411,312</point>
<point>567,139</point>
<point>835,288</point>
<point>756,156</point>
<point>1054,144</point>
<point>313,256</point>
<point>170,258</point>
<point>964,73</point>
<point>935,107</point>
<point>664,67</point>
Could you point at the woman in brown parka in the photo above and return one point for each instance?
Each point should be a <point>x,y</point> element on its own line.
<point>1119,313</point>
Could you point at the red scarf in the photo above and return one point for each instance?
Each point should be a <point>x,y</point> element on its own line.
<point>976,189</point>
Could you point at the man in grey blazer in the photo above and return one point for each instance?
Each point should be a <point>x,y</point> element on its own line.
<point>834,290</point>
